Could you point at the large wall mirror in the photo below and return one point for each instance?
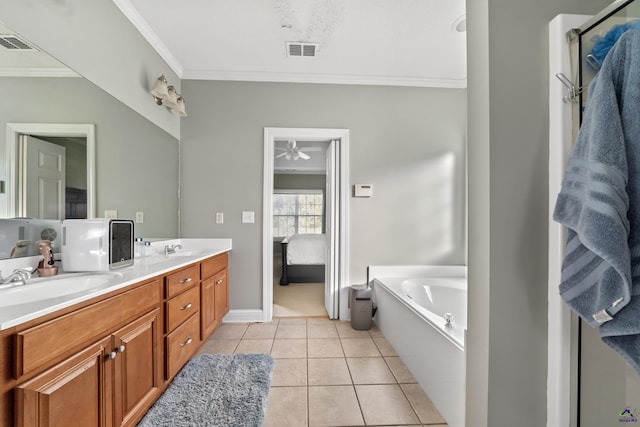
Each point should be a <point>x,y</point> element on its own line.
<point>110,156</point>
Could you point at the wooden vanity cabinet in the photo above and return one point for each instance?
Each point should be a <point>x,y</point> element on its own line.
<point>104,362</point>
<point>111,382</point>
<point>214,293</point>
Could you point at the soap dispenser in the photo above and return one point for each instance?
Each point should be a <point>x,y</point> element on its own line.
<point>148,249</point>
<point>138,248</point>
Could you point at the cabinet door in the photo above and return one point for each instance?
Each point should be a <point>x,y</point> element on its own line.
<point>207,307</point>
<point>138,374</point>
<point>222,295</point>
<point>75,392</point>
<point>214,302</point>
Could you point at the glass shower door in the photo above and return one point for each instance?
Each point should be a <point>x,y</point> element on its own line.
<point>609,388</point>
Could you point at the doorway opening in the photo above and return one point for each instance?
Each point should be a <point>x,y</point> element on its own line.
<point>305,206</point>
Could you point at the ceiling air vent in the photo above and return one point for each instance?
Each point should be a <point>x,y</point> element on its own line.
<point>12,42</point>
<point>302,50</point>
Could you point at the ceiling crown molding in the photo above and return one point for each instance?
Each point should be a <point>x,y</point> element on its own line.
<point>257,76</point>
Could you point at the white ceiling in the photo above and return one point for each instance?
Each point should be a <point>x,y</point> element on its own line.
<point>387,42</point>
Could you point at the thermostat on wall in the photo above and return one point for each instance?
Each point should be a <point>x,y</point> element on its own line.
<point>363,190</point>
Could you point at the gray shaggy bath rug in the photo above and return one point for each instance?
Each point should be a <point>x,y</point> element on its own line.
<point>215,390</point>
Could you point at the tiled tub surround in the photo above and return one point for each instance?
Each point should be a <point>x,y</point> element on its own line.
<point>328,374</point>
<point>432,352</point>
<point>143,269</point>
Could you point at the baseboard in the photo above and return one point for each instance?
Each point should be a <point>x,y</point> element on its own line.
<point>243,316</point>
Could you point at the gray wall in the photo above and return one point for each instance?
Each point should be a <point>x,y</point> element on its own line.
<point>96,40</point>
<point>409,143</point>
<point>508,209</point>
<point>137,162</point>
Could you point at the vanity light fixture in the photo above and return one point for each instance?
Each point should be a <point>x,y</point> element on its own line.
<point>166,95</point>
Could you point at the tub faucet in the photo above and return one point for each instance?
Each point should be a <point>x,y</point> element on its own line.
<point>17,278</point>
<point>448,320</point>
<point>171,249</point>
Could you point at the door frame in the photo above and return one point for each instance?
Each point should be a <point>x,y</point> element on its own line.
<point>342,245</point>
<point>14,130</point>
<point>562,331</point>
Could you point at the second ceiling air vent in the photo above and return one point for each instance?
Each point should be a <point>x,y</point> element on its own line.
<point>302,50</point>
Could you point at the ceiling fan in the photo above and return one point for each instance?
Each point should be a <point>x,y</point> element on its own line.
<point>293,152</point>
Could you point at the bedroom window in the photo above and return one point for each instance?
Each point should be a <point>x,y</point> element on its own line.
<point>297,212</point>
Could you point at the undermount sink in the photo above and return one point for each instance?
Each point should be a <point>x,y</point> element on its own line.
<point>59,286</point>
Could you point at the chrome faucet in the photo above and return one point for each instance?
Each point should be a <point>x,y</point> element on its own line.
<point>17,278</point>
<point>448,320</point>
<point>171,249</point>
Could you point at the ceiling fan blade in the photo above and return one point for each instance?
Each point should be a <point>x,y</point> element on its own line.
<point>312,149</point>
<point>281,155</point>
<point>303,155</point>
<point>279,148</point>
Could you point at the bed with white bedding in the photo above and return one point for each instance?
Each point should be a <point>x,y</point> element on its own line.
<point>303,258</point>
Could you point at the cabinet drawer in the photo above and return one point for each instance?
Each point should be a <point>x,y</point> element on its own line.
<point>213,265</point>
<point>181,344</point>
<point>179,281</point>
<point>180,307</point>
<point>41,346</point>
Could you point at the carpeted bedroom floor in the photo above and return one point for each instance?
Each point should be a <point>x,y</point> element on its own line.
<point>296,299</point>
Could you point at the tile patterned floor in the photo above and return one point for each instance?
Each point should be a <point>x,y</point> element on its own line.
<point>328,374</point>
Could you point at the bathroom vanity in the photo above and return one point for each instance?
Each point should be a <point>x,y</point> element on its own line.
<point>102,357</point>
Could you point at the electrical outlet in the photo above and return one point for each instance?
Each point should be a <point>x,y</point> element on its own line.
<point>248,217</point>
<point>139,217</point>
<point>111,214</point>
<point>219,218</point>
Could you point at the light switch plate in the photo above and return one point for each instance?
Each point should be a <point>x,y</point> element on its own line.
<point>248,217</point>
<point>139,217</point>
<point>219,218</point>
<point>111,214</point>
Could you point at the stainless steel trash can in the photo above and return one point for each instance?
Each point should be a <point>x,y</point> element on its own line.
<point>361,307</point>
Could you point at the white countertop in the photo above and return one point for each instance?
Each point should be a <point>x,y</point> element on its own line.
<point>143,269</point>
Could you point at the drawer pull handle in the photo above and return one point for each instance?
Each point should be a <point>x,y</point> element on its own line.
<point>112,355</point>
<point>187,342</point>
<point>187,280</point>
<point>185,307</point>
<point>219,282</point>
<point>121,349</point>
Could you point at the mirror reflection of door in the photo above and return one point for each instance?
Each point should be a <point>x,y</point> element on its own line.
<point>52,174</point>
<point>42,179</point>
